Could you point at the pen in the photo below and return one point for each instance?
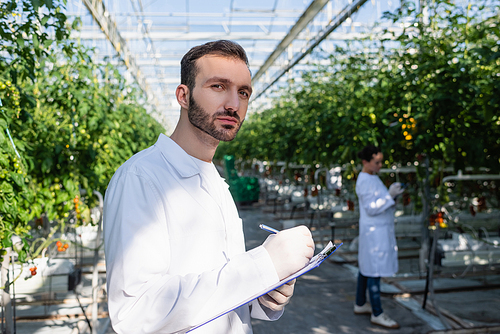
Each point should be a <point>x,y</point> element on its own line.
<point>268,229</point>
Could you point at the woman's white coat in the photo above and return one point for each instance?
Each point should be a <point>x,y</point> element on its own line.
<point>378,251</point>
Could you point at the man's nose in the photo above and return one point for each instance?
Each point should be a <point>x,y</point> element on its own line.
<point>232,101</point>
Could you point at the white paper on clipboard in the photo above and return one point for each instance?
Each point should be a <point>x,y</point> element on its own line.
<point>314,262</point>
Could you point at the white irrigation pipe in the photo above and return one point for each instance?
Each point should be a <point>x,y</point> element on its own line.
<point>316,173</point>
<point>461,177</point>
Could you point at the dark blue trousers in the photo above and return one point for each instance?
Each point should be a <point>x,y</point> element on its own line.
<point>373,286</point>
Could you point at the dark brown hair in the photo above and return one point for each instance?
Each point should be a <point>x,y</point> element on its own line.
<point>367,152</point>
<point>224,48</point>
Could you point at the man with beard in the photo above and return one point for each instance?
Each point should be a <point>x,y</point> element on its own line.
<point>175,251</point>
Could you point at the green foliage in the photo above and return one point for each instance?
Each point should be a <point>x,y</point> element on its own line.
<point>72,122</point>
<point>431,89</point>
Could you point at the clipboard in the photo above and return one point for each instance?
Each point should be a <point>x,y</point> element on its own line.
<point>314,262</point>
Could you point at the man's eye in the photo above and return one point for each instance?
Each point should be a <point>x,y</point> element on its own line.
<point>244,93</point>
<point>217,86</point>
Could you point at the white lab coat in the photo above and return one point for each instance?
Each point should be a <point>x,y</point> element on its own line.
<point>174,258</point>
<point>377,250</point>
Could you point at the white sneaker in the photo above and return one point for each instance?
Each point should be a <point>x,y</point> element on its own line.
<point>384,321</point>
<point>365,309</point>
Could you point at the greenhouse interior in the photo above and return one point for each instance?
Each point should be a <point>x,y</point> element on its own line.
<point>86,85</point>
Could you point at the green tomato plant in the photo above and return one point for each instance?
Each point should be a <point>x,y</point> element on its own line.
<point>66,124</point>
<point>431,90</point>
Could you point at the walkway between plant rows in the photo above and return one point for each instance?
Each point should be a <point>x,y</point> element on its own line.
<point>324,298</point>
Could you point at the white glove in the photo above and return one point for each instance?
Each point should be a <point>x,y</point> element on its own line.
<point>290,250</point>
<point>395,189</point>
<point>277,299</point>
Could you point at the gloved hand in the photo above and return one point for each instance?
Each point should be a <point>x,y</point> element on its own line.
<point>290,250</point>
<point>395,189</point>
<point>277,299</point>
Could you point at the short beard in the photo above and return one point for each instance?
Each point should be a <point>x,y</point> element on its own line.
<point>200,119</point>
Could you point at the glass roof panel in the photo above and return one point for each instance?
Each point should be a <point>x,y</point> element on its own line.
<point>158,33</point>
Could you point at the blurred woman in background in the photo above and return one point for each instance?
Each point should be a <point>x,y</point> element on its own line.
<point>377,250</point>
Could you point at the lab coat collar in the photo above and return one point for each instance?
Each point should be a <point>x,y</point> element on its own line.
<point>176,156</point>
<point>187,168</point>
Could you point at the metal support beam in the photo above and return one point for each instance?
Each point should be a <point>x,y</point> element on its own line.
<point>237,13</point>
<point>309,14</point>
<point>147,39</point>
<point>110,29</point>
<point>184,36</point>
<point>205,36</point>
<point>336,22</point>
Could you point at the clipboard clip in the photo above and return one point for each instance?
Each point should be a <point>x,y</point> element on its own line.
<point>326,252</point>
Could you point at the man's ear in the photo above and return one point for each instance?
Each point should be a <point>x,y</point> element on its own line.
<point>182,95</point>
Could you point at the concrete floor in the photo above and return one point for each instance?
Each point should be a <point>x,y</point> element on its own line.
<point>324,297</point>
